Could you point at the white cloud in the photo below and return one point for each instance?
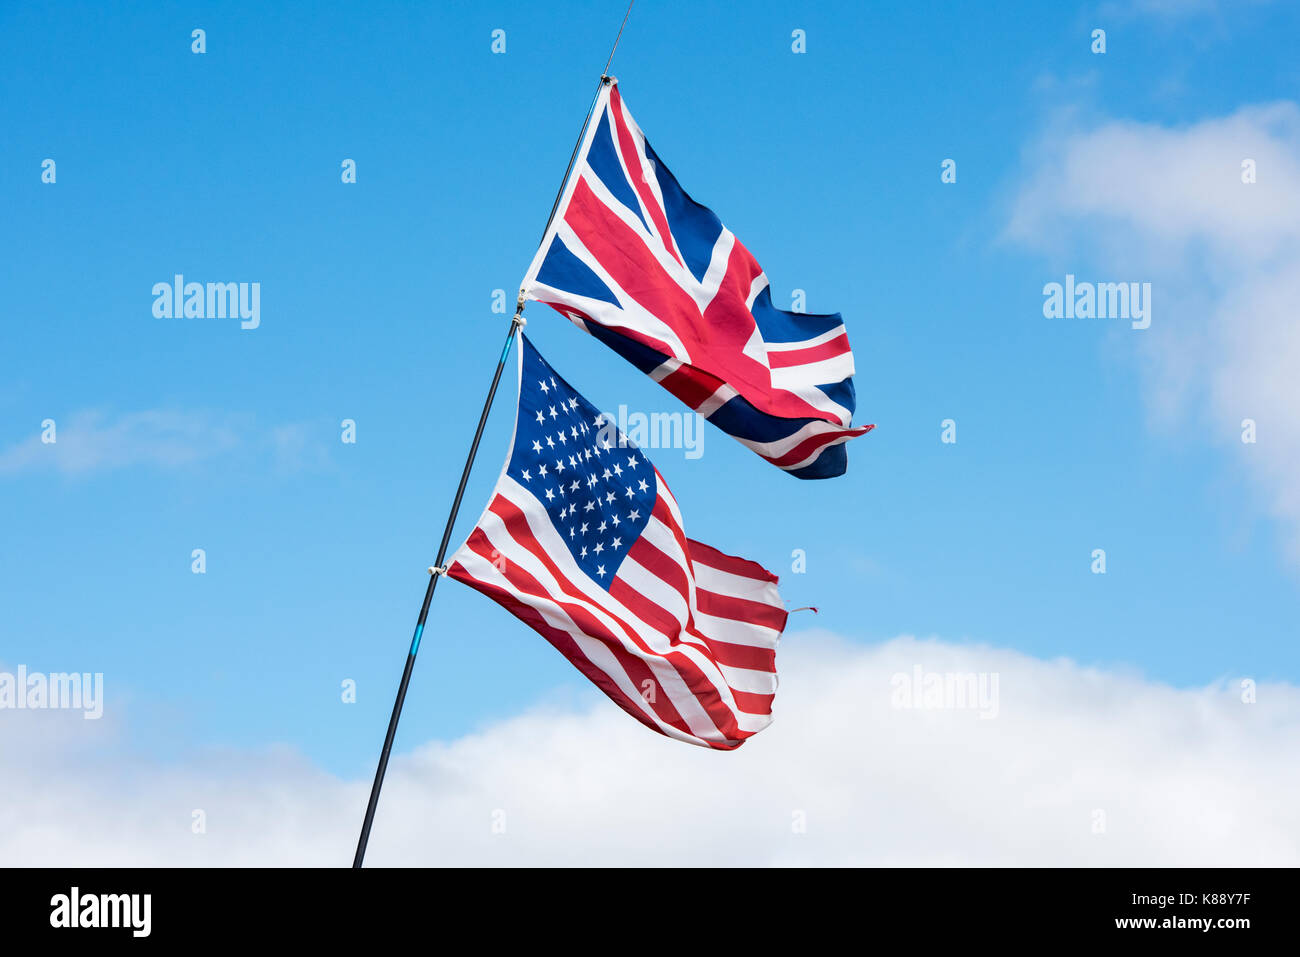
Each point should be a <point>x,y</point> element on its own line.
<point>1168,205</point>
<point>1184,777</point>
<point>92,440</point>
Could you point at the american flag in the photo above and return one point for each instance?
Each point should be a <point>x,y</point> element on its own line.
<point>633,260</point>
<point>583,542</point>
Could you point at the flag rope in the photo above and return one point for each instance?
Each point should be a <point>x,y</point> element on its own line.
<point>438,569</point>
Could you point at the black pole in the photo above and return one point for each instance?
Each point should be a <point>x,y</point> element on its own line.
<point>434,574</point>
<point>436,571</point>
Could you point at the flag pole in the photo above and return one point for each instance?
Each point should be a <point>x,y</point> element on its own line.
<point>436,570</point>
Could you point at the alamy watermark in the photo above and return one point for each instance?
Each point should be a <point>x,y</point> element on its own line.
<point>179,299</point>
<point>946,691</point>
<point>1101,300</point>
<point>22,690</point>
<point>656,430</point>
<point>74,909</point>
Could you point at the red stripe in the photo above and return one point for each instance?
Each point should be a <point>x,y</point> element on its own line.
<point>731,325</point>
<point>662,565</point>
<point>743,656</point>
<point>632,160</point>
<point>751,703</point>
<point>785,358</point>
<point>806,448</point>
<point>662,512</point>
<point>702,554</point>
<point>740,609</point>
<point>691,384</point>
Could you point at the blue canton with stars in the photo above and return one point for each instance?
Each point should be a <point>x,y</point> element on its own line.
<point>598,488</point>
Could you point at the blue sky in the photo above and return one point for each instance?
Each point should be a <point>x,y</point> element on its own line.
<point>376,306</point>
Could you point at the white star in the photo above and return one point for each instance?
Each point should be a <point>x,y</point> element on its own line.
<point>550,442</point>
<point>643,487</point>
<point>574,433</point>
<point>541,470</point>
<point>602,527</point>
<point>631,461</point>
<point>573,487</point>
<point>633,515</point>
<point>605,445</point>
<point>554,414</point>
<point>600,547</point>
<point>570,532</point>
<point>600,570</point>
<point>526,477</point>
<point>545,387</point>
<point>599,421</point>
<point>553,382</point>
<point>572,462</point>
<point>549,495</point>
<point>559,465</point>
<point>540,418</point>
<point>618,469</point>
<point>560,435</point>
<point>606,476</point>
<point>537,446</point>
<point>609,498</point>
<point>590,506</point>
<point>583,529</point>
<point>583,553</point>
<point>616,543</point>
<point>615,521</point>
<point>629,491</point>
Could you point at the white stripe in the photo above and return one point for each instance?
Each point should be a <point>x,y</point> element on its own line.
<point>737,632</point>
<point>722,582</point>
<point>707,288</point>
<point>807,343</point>
<point>809,375</point>
<point>654,588</point>
<point>776,449</point>
<point>748,680</point>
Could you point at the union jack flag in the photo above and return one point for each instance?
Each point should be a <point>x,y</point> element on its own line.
<point>633,260</point>
<point>583,542</point>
